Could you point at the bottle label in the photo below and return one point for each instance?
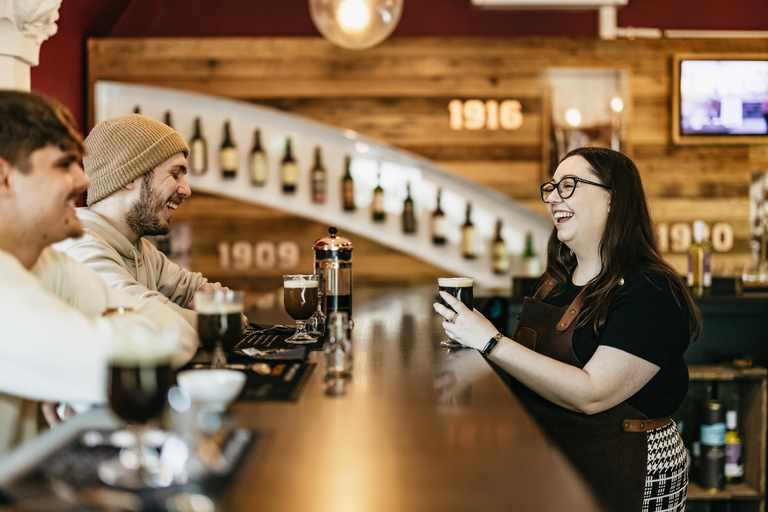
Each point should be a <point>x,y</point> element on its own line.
<point>199,165</point>
<point>713,435</point>
<point>438,226</point>
<point>532,266</point>
<point>349,193</point>
<point>318,186</point>
<point>707,269</point>
<point>258,167</point>
<point>290,173</point>
<point>733,466</point>
<point>229,159</point>
<point>378,202</point>
<point>690,269</point>
<point>500,257</point>
<point>469,241</point>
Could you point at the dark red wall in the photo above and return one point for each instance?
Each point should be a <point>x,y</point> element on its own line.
<point>61,70</point>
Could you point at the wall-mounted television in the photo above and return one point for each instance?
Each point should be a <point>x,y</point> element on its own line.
<point>720,99</point>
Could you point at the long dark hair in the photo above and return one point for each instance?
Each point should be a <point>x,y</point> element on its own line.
<point>628,240</point>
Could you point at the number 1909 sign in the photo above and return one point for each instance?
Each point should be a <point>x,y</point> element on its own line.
<point>266,255</point>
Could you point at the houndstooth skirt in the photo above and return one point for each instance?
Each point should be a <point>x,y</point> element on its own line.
<point>666,481</point>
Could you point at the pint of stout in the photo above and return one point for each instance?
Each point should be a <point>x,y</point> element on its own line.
<point>300,298</point>
<point>139,379</point>
<point>219,322</point>
<point>460,287</point>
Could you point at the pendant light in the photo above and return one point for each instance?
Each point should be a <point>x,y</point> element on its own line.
<point>356,24</point>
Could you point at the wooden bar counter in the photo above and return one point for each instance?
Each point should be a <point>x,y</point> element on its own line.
<point>416,429</point>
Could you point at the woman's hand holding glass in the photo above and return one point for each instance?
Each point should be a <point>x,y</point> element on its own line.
<point>468,327</point>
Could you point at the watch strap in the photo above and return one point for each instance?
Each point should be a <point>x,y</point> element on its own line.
<point>491,344</point>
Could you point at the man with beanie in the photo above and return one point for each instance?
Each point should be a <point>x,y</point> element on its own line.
<point>56,314</point>
<point>137,168</point>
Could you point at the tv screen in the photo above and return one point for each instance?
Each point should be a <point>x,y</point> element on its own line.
<point>723,98</point>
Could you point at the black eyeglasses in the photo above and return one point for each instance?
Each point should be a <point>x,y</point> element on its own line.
<point>565,187</point>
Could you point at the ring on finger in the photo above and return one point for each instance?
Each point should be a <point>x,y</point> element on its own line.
<point>452,320</point>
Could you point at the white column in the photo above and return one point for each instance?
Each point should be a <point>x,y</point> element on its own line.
<point>24,25</point>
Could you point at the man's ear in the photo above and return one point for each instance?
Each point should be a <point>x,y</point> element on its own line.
<point>5,177</point>
<point>130,186</point>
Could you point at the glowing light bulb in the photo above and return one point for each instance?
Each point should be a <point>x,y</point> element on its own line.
<point>353,15</point>
<point>573,117</point>
<point>355,24</point>
<point>617,105</point>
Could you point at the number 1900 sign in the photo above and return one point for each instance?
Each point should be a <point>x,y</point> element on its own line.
<point>265,255</point>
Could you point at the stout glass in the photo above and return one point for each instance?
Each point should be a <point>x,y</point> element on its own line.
<point>139,376</point>
<point>300,294</point>
<point>219,322</point>
<point>461,288</point>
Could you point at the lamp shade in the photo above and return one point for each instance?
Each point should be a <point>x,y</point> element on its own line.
<point>356,24</point>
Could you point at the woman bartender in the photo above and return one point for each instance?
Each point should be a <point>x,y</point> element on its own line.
<point>597,353</point>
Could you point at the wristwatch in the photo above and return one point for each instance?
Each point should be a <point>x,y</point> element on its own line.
<point>491,344</point>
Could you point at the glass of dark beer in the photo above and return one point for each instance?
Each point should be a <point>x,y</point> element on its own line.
<point>461,288</point>
<point>301,303</point>
<point>138,380</point>
<point>219,322</point>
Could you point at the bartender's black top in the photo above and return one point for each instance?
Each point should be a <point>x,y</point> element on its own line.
<point>646,321</point>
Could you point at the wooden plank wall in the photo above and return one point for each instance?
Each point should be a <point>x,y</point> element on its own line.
<point>399,93</point>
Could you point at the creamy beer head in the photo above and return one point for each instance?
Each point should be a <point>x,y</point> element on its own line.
<point>455,282</point>
<point>300,284</point>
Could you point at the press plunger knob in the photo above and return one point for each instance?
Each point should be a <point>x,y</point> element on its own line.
<point>332,230</point>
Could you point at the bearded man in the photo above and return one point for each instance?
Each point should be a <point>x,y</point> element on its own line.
<point>137,167</point>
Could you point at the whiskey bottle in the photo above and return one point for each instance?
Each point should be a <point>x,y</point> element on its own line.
<point>319,179</point>
<point>348,186</point>
<point>199,151</point>
<point>228,154</point>
<point>409,215</point>
<point>469,236</point>
<point>378,201</point>
<point>438,222</point>
<point>699,269</point>
<point>500,252</point>
<point>289,171</point>
<point>258,162</point>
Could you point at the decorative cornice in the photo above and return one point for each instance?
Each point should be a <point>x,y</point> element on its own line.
<point>33,19</point>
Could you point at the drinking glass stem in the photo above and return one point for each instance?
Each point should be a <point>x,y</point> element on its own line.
<point>301,327</point>
<point>219,360</point>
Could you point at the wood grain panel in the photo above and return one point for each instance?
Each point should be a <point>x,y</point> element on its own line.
<point>398,92</point>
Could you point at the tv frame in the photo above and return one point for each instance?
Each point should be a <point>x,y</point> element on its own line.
<point>688,140</point>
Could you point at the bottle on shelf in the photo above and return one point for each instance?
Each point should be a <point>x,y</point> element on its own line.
<point>712,438</point>
<point>319,178</point>
<point>378,201</point>
<point>438,222</point>
<point>199,148</point>
<point>734,460</point>
<point>339,352</point>
<point>348,186</point>
<point>531,262</point>
<point>699,265</point>
<point>289,171</point>
<point>469,236</point>
<point>137,109</point>
<point>167,119</point>
<point>258,162</point>
<point>409,213</point>
<point>500,252</point>
<point>228,154</point>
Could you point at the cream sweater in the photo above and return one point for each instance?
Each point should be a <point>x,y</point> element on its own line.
<point>52,342</point>
<point>140,269</point>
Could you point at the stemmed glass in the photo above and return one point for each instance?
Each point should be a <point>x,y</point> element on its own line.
<point>139,377</point>
<point>301,300</point>
<point>219,322</point>
<point>461,288</point>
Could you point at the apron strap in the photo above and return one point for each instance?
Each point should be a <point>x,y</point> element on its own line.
<point>545,289</point>
<point>644,425</point>
<point>571,312</point>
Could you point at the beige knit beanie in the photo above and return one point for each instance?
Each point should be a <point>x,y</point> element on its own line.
<point>123,148</point>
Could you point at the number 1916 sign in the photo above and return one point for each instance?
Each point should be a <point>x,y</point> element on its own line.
<point>476,115</point>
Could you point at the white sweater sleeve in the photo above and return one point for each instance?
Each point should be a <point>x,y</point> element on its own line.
<point>53,344</point>
<point>108,263</point>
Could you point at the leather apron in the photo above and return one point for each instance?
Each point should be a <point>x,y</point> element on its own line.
<point>612,460</point>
